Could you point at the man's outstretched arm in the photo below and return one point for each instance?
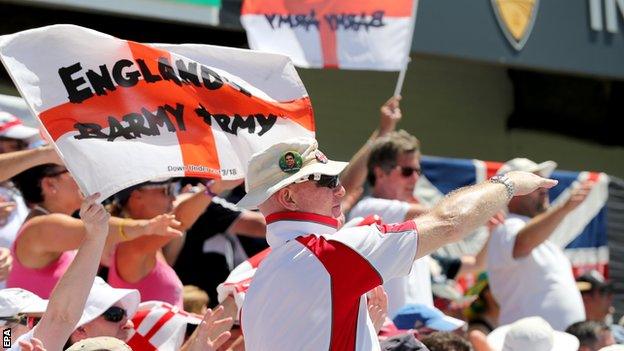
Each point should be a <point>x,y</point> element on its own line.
<point>539,228</point>
<point>13,163</point>
<point>465,209</point>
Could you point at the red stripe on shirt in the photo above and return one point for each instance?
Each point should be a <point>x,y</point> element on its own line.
<point>397,227</point>
<point>255,260</point>
<point>351,276</point>
<point>302,216</point>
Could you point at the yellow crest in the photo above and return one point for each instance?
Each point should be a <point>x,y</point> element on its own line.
<point>516,18</point>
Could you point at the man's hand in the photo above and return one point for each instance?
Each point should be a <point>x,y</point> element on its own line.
<point>526,183</point>
<point>6,208</point>
<point>390,115</point>
<point>33,344</point>
<point>201,340</point>
<point>578,194</point>
<point>94,216</point>
<point>496,220</point>
<point>6,262</point>
<point>377,306</point>
<point>163,225</point>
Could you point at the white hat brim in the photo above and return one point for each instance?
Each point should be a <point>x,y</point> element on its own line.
<point>259,195</point>
<point>37,306</point>
<point>21,132</point>
<point>128,299</point>
<point>561,341</point>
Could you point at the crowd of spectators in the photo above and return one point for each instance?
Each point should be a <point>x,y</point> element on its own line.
<point>342,257</point>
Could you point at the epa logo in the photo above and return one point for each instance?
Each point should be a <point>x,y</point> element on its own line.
<point>6,338</point>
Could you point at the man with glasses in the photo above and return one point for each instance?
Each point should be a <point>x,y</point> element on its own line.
<point>308,293</point>
<point>79,306</point>
<point>393,171</point>
<point>20,310</point>
<point>108,312</point>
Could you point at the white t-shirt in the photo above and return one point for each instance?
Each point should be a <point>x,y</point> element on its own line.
<point>414,288</point>
<point>540,284</point>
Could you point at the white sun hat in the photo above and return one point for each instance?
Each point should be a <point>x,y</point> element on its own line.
<point>102,296</point>
<point>544,169</point>
<point>531,333</point>
<point>14,301</point>
<point>283,164</point>
<point>12,127</point>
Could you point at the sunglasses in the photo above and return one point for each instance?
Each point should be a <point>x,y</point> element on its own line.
<point>114,314</point>
<point>408,171</point>
<point>322,180</point>
<point>22,319</point>
<point>169,189</point>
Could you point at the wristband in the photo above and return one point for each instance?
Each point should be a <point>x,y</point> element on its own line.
<point>503,179</point>
<point>209,192</point>
<point>122,233</point>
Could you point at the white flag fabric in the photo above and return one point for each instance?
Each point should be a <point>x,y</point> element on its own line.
<point>121,112</point>
<point>346,34</point>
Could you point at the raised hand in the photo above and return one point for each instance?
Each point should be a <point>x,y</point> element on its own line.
<point>496,220</point>
<point>526,183</point>
<point>6,262</point>
<point>377,306</point>
<point>390,115</point>
<point>201,340</point>
<point>163,225</point>
<point>33,344</point>
<point>94,216</point>
<point>578,194</point>
<point>6,208</point>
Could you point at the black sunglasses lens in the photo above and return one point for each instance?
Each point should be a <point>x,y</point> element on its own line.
<point>408,171</point>
<point>114,314</point>
<point>328,181</point>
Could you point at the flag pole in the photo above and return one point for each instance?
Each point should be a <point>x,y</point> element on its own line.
<point>401,79</point>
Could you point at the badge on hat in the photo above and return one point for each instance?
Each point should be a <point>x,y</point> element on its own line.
<point>320,156</point>
<point>290,162</point>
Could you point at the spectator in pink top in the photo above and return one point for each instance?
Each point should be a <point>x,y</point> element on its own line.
<point>45,245</point>
<point>144,267</point>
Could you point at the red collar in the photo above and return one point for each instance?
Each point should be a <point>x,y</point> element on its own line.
<point>302,217</point>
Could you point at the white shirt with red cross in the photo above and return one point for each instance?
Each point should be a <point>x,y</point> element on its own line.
<point>308,294</point>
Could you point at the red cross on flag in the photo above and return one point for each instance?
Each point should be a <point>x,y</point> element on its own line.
<point>121,112</point>
<point>347,34</point>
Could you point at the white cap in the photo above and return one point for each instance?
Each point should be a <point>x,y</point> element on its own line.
<point>12,127</point>
<point>531,333</point>
<point>102,296</point>
<point>16,300</point>
<point>100,343</point>
<point>544,169</point>
<point>270,170</point>
<point>616,347</point>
